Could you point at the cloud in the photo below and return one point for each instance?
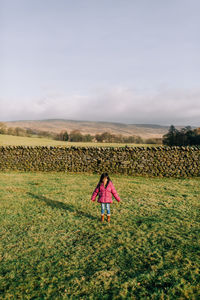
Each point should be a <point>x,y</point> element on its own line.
<point>120,104</point>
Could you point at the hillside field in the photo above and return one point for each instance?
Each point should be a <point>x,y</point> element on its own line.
<point>53,245</point>
<point>10,140</point>
<point>91,127</point>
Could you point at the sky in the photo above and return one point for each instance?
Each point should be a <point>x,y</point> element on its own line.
<point>128,61</point>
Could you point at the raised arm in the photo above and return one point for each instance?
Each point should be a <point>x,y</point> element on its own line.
<point>95,193</point>
<point>114,192</point>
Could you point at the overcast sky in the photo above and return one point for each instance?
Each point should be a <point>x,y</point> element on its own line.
<point>131,61</point>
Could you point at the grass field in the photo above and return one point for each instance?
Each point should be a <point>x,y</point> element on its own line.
<point>9,140</point>
<point>53,245</point>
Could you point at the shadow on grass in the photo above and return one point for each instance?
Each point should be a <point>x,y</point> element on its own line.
<point>61,205</point>
<point>147,220</point>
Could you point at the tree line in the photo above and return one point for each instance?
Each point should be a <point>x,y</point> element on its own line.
<point>28,132</point>
<point>77,136</point>
<point>105,137</point>
<point>184,137</point>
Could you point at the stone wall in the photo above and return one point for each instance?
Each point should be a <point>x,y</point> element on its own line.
<point>150,161</point>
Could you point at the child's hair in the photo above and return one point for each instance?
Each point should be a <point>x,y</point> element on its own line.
<point>102,177</point>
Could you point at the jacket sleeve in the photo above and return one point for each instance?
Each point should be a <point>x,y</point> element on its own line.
<point>95,193</point>
<point>114,192</point>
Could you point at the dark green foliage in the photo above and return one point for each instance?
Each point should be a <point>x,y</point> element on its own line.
<point>62,136</point>
<point>184,137</point>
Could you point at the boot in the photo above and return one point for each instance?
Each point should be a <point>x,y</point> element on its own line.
<point>108,218</point>
<point>102,218</point>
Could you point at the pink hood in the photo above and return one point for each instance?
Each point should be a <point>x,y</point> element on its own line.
<point>105,194</point>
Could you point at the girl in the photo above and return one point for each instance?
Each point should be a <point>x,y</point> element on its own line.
<point>106,189</point>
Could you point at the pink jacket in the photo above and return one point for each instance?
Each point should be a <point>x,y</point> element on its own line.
<point>105,194</point>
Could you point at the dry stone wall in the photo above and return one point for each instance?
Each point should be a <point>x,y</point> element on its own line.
<point>150,161</point>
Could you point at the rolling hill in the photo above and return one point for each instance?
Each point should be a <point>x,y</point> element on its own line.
<point>90,127</point>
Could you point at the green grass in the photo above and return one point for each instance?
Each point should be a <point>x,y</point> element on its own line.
<point>9,140</point>
<point>53,245</point>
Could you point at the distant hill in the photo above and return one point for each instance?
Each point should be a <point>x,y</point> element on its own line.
<point>90,127</point>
